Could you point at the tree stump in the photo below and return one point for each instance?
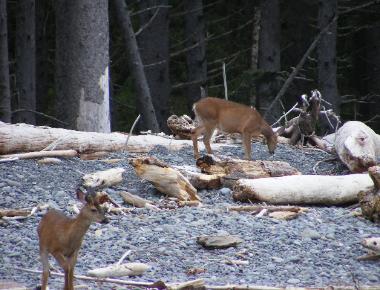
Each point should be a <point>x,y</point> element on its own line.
<point>370,200</point>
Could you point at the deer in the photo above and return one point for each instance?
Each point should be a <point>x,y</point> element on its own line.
<point>62,236</point>
<point>230,117</point>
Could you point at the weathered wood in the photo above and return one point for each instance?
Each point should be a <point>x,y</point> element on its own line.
<point>201,180</point>
<point>181,126</point>
<point>39,154</point>
<point>304,189</point>
<point>166,179</point>
<point>269,208</point>
<point>232,170</point>
<point>119,270</point>
<point>105,178</point>
<point>370,199</point>
<point>136,201</point>
<point>357,146</point>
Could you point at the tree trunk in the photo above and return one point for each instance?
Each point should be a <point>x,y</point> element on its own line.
<point>144,99</point>
<point>196,57</point>
<point>43,28</point>
<point>255,46</point>
<point>269,58</point>
<point>154,50</point>
<point>327,54</point>
<point>5,95</point>
<point>25,62</point>
<point>82,64</point>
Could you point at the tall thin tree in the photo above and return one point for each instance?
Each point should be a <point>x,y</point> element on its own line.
<point>326,50</point>
<point>195,34</point>
<point>5,95</point>
<point>82,64</point>
<point>144,99</point>
<point>269,61</point>
<point>153,42</point>
<point>25,62</point>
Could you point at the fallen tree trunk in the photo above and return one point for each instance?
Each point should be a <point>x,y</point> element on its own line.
<point>304,189</point>
<point>104,178</point>
<point>231,170</point>
<point>166,179</point>
<point>28,138</point>
<point>357,146</point>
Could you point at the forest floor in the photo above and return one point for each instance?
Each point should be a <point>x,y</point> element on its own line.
<point>318,249</point>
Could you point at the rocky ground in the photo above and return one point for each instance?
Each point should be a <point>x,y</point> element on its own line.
<point>318,248</point>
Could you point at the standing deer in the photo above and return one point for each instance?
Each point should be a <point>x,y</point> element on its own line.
<point>230,117</point>
<point>62,236</point>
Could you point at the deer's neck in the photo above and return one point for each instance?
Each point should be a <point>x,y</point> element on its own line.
<point>266,130</point>
<point>79,227</point>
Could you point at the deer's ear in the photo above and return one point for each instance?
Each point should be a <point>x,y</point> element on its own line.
<point>81,195</point>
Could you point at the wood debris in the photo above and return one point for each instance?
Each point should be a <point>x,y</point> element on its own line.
<point>370,199</point>
<point>219,242</point>
<point>105,178</point>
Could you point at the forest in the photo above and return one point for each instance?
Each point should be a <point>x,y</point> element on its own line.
<point>95,65</point>
<point>99,100</point>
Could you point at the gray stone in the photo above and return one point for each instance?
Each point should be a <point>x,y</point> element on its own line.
<point>293,281</point>
<point>310,234</point>
<point>225,191</point>
<point>219,242</point>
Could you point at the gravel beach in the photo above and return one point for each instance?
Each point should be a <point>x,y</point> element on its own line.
<point>318,249</point>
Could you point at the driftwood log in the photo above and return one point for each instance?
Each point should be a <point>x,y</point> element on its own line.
<point>15,138</point>
<point>180,126</point>
<point>370,200</point>
<point>166,179</point>
<point>119,270</point>
<point>231,170</point>
<point>105,178</point>
<point>304,189</point>
<point>357,145</point>
<point>136,201</point>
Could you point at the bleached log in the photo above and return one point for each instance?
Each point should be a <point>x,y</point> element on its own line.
<point>136,201</point>
<point>119,270</point>
<point>166,179</point>
<point>357,145</point>
<point>39,154</point>
<point>201,180</point>
<point>105,178</point>
<point>304,189</point>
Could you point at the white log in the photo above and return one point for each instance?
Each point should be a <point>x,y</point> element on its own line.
<point>119,270</point>
<point>105,178</point>
<point>39,154</point>
<point>304,189</point>
<point>28,138</point>
<point>357,145</point>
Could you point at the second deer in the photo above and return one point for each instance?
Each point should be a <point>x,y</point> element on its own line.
<point>62,236</point>
<point>230,117</point>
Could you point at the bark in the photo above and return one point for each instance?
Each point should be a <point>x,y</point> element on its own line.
<point>82,64</point>
<point>25,62</point>
<point>166,179</point>
<point>5,95</point>
<point>255,39</point>
<point>370,200</point>
<point>181,127</point>
<point>304,189</point>
<point>196,57</point>
<point>269,61</point>
<point>357,146</point>
<point>154,50</point>
<point>144,99</point>
<point>28,138</point>
<point>327,64</point>
<point>231,170</point>
<point>43,69</point>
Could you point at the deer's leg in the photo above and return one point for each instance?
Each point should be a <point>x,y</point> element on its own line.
<point>247,145</point>
<point>65,264</point>
<point>45,269</point>
<point>194,137</point>
<point>207,137</point>
<point>71,261</point>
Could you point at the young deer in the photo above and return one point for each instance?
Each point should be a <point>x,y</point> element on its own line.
<point>230,117</point>
<point>62,236</point>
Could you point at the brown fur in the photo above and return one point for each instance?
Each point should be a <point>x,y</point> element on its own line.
<point>230,117</point>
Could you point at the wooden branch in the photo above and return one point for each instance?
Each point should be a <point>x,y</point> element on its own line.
<point>39,154</point>
<point>105,178</point>
<point>304,189</point>
<point>136,201</point>
<point>19,214</point>
<point>300,65</point>
<point>166,179</point>
<point>119,270</point>
<point>257,208</point>
<point>370,199</point>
